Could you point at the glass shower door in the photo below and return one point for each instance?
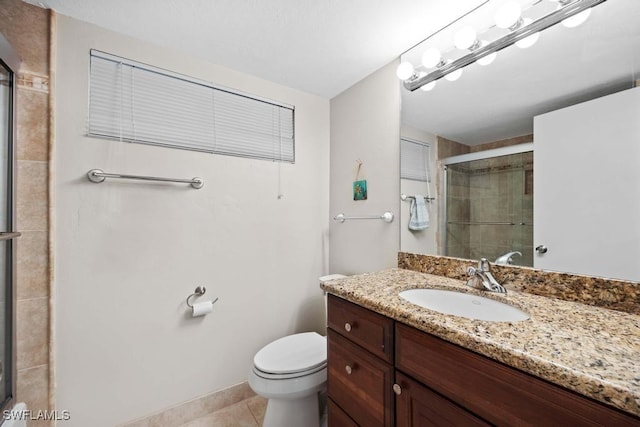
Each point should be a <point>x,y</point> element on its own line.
<point>6,235</point>
<point>489,208</point>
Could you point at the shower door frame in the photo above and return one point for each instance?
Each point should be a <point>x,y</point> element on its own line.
<point>479,155</point>
<point>12,61</point>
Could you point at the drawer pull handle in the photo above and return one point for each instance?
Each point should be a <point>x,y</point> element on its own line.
<point>397,389</point>
<point>349,369</point>
<point>347,327</point>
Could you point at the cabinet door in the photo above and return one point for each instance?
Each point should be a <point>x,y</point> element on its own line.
<point>418,406</point>
<point>337,417</point>
<point>587,187</point>
<point>360,383</point>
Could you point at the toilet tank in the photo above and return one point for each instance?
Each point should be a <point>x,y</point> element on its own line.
<point>325,279</point>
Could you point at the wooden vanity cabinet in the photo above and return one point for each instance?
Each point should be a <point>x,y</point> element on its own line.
<point>428,381</point>
<point>370,330</point>
<point>493,391</point>
<point>337,417</point>
<point>360,370</point>
<point>419,406</point>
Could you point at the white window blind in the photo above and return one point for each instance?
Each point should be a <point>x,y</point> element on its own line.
<point>415,158</point>
<point>134,102</point>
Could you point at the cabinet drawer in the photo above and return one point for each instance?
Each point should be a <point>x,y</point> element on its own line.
<point>418,406</point>
<point>337,417</point>
<point>370,330</point>
<point>495,392</point>
<point>360,383</point>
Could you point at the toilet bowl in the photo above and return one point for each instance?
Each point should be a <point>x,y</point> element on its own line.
<point>291,372</point>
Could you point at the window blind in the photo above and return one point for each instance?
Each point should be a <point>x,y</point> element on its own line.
<point>415,158</point>
<point>134,102</point>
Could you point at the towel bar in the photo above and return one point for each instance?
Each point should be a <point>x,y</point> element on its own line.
<point>404,197</point>
<point>98,176</point>
<point>386,217</point>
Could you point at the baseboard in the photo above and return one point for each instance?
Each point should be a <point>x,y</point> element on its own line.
<point>195,408</point>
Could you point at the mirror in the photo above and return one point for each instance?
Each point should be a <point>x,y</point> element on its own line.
<point>492,107</point>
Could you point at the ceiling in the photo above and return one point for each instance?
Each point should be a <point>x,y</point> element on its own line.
<point>564,67</point>
<point>318,46</point>
<point>324,47</point>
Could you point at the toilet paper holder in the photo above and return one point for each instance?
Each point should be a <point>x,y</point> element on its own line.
<point>199,291</point>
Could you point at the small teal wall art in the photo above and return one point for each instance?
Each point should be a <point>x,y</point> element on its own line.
<point>360,190</point>
<point>359,185</point>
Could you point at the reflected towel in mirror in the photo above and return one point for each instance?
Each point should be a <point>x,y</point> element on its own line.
<point>418,214</point>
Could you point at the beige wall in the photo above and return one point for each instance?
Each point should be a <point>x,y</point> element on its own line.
<point>365,125</point>
<point>27,29</point>
<point>424,241</point>
<point>128,254</point>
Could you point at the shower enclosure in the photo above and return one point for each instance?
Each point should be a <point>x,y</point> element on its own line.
<point>8,63</point>
<point>489,204</point>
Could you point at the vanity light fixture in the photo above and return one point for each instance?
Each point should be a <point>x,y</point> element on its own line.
<point>521,31</point>
<point>509,16</point>
<point>532,39</point>
<point>575,20</point>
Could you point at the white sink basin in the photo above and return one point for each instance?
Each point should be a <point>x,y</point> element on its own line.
<point>464,305</point>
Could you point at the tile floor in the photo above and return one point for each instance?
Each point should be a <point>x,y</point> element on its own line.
<point>246,413</point>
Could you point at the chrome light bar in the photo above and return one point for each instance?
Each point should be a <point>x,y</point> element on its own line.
<point>525,31</point>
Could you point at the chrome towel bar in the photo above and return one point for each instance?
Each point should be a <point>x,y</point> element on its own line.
<point>485,223</point>
<point>404,198</point>
<point>97,176</point>
<point>386,217</point>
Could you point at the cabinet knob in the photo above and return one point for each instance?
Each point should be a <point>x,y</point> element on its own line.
<point>397,389</point>
<point>349,369</point>
<point>542,249</point>
<point>347,327</point>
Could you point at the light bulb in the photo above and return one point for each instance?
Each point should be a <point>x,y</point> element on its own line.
<point>575,20</point>
<point>404,70</point>
<point>508,15</point>
<point>465,38</point>
<point>455,75</point>
<point>486,60</point>
<point>431,57</point>
<point>428,86</point>
<point>530,40</point>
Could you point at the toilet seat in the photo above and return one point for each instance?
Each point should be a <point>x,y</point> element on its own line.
<point>290,375</point>
<point>292,356</point>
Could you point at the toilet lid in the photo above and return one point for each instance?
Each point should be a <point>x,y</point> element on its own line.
<point>293,353</point>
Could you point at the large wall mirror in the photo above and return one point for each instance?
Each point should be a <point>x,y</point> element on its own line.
<point>533,159</point>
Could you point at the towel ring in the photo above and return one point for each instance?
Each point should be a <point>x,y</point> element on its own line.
<point>199,291</point>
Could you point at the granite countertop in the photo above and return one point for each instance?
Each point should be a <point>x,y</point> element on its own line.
<point>590,350</point>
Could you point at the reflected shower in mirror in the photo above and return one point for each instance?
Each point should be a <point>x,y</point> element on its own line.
<point>489,207</point>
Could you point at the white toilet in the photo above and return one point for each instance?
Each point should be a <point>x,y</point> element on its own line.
<point>292,373</point>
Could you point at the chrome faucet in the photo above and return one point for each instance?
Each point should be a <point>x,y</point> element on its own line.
<point>481,278</point>
<point>507,259</point>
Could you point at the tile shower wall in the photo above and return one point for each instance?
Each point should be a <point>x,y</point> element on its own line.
<point>458,213</point>
<point>484,195</point>
<point>26,28</point>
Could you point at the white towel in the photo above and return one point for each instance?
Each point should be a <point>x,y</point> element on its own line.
<point>418,215</point>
